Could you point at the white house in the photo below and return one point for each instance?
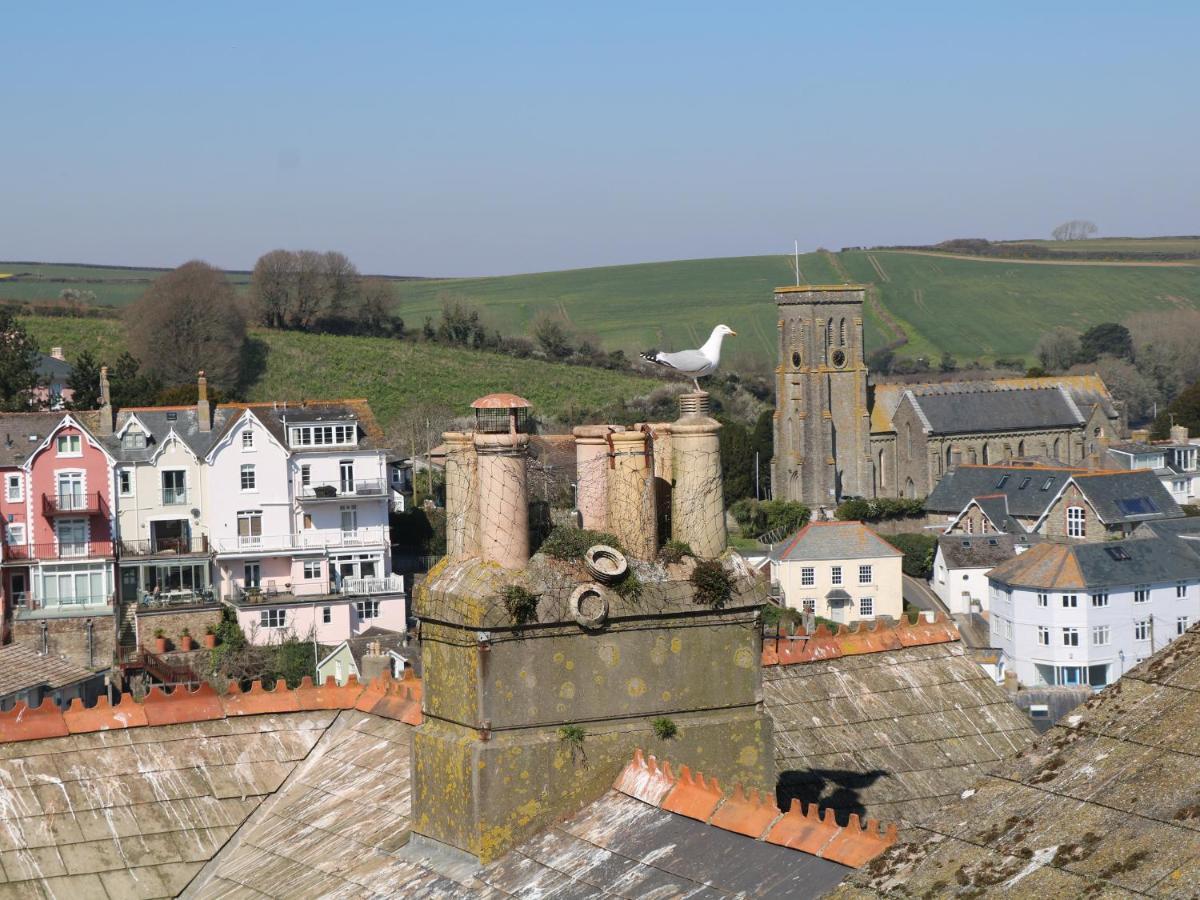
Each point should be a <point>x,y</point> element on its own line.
<point>1084,614</point>
<point>842,571</point>
<point>1176,462</point>
<point>962,562</point>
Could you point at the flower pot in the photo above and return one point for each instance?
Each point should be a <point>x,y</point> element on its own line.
<point>160,645</point>
<point>186,643</point>
<point>210,641</point>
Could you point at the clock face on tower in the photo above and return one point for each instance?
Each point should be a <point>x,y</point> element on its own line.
<point>839,358</point>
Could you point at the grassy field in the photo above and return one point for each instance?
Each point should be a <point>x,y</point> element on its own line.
<point>1182,245</point>
<point>112,285</point>
<point>971,308</point>
<point>393,375</point>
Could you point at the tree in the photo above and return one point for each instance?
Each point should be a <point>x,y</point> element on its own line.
<point>460,324</point>
<point>19,359</point>
<point>1164,345</point>
<point>1075,230</point>
<point>270,286</point>
<point>1058,349</point>
<point>375,301</point>
<point>918,550</point>
<point>1184,410</point>
<point>342,284</point>
<point>84,382</point>
<point>553,336</point>
<point>188,320</point>
<point>1126,383</point>
<point>1107,338</point>
<point>762,442</point>
<point>129,386</point>
<point>737,461</point>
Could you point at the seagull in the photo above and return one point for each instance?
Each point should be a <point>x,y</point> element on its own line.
<point>694,363</point>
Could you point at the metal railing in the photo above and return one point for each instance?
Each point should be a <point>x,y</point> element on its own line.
<point>334,490</point>
<point>174,496</point>
<point>87,600</point>
<point>180,545</point>
<point>73,503</point>
<point>176,598</point>
<point>386,584</point>
<point>57,550</point>
<point>306,540</point>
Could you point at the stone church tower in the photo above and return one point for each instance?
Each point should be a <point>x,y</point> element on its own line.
<point>822,424</point>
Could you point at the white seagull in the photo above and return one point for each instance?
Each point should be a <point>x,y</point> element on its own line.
<point>694,363</point>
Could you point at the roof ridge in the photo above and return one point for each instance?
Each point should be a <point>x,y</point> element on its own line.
<point>802,647</point>
<point>384,696</point>
<point>753,814</point>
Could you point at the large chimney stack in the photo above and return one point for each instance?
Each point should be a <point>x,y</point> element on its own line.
<point>591,474</point>
<point>462,495</point>
<point>501,447</point>
<point>106,410</point>
<point>631,508</point>
<point>697,498</point>
<point>1179,434</point>
<point>203,412</point>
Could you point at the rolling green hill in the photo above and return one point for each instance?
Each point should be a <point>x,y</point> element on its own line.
<point>973,308</point>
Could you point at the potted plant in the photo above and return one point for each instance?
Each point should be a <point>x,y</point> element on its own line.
<point>185,641</point>
<point>210,637</point>
<point>160,641</point>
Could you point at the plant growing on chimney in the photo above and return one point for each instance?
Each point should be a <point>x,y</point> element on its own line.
<point>572,734</point>
<point>520,603</point>
<point>664,728</point>
<point>570,544</point>
<point>714,586</point>
<point>674,551</point>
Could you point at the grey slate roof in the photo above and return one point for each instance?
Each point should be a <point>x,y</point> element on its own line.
<point>981,551</point>
<point>834,540</point>
<point>22,667</point>
<point>1150,560</point>
<point>1025,488</point>
<point>51,369</point>
<point>1105,491</point>
<point>953,410</point>
<point>1103,805</point>
<point>161,421</point>
<point>995,507</point>
<point>22,433</point>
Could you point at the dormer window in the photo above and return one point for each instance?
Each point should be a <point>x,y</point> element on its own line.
<point>69,445</point>
<point>133,439</point>
<point>324,435</point>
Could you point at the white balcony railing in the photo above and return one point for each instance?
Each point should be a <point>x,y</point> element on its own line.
<point>307,540</point>
<point>387,584</point>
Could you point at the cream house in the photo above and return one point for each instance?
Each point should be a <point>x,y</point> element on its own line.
<point>841,571</point>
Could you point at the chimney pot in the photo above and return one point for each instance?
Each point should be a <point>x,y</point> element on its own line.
<point>203,408</point>
<point>57,353</point>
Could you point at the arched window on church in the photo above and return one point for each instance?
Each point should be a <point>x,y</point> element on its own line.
<point>829,333</point>
<point>949,456</point>
<point>842,333</point>
<point>986,456</point>
<point>882,469</point>
<point>910,489</point>
<point>907,440</point>
<point>1020,448</point>
<point>1057,452</point>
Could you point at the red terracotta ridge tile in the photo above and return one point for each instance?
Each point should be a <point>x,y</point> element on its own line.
<point>824,644</point>
<point>751,816</point>
<point>692,796</point>
<point>182,705</point>
<point>26,723</point>
<point>258,700</point>
<point>854,846</point>
<point>644,780</point>
<point>329,695</point>
<point>128,713</point>
<point>392,699</point>
<point>804,829</point>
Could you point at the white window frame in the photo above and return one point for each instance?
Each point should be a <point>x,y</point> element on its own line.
<point>1100,599</point>
<point>866,607</point>
<point>362,607</point>
<point>312,569</point>
<point>126,489</point>
<point>1043,636</point>
<point>1141,593</point>
<point>835,575</point>
<point>808,576</point>
<point>326,615</point>
<point>15,534</point>
<point>809,604</point>
<point>1070,601</point>
<point>272,618</point>
<point>865,574</point>
<point>248,469</point>
<point>1101,635</point>
<point>76,439</point>
<point>1070,636</point>
<point>1181,624</point>
<point>11,480</point>
<point>247,440</point>
<point>1141,630</point>
<point>1181,590</point>
<point>1043,600</point>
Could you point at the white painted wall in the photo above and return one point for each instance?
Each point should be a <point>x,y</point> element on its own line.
<point>885,587</point>
<point>957,587</point>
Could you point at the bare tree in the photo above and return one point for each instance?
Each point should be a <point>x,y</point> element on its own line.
<point>342,283</point>
<point>1164,347</point>
<point>1075,230</point>
<point>188,320</point>
<point>271,286</point>
<point>1132,387</point>
<point>308,289</point>
<point>1058,349</point>
<point>375,301</point>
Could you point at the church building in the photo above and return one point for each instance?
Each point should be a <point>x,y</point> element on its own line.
<point>837,435</point>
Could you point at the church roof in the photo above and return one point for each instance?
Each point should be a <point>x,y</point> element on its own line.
<point>957,409</point>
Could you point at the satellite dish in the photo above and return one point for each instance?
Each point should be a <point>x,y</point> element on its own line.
<point>195,513</point>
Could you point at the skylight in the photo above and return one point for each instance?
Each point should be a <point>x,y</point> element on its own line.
<point>1003,481</point>
<point>1120,554</point>
<point>1046,484</point>
<point>1137,506</point>
<point>1024,483</point>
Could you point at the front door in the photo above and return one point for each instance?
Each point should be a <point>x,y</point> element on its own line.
<point>19,588</point>
<point>129,583</point>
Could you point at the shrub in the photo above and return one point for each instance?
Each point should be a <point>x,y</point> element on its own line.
<point>159,633</point>
<point>918,550</point>
<point>756,517</point>
<point>570,544</point>
<point>780,615</point>
<point>880,509</point>
<point>853,511</point>
<point>520,603</point>
<point>713,584</point>
<point>185,633</point>
<point>664,728</point>
<point>674,551</point>
<point>629,587</point>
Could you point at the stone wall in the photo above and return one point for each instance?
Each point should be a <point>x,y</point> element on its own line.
<point>67,636</point>
<point>1055,523</point>
<point>172,622</point>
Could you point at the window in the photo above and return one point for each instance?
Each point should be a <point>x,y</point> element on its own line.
<point>349,520</point>
<point>866,607</point>
<point>326,615</point>
<point>346,476</point>
<point>864,574</point>
<point>72,537</point>
<point>1024,483</point>
<point>1076,522</point>
<point>324,435</point>
<point>1043,599</point>
<point>133,440</point>
<point>1003,481</point>
<point>1181,624</point>
<point>248,439</point>
<point>1070,637</point>
<point>1100,599</point>
<point>252,575</point>
<point>125,483</point>
<point>808,604</point>
<point>1180,590</point>
<point>1100,636</point>
<point>1070,601</point>
<point>69,445</point>
<point>312,569</point>
<point>367,609</point>
<point>174,487</point>
<point>1141,630</point>
<point>249,481</point>
<point>12,488</point>
<point>16,534</point>
<point>1141,593</point>
<point>306,475</point>
<point>308,520</point>
<point>1043,635</point>
<point>249,522</point>
<point>1008,630</point>
<point>808,576</point>
<point>273,618</point>
<point>1046,485</point>
<point>835,575</point>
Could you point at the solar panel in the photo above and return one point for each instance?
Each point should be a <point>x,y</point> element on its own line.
<point>1137,506</point>
<point>1118,553</point>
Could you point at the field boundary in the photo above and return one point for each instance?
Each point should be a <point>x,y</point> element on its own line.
<point>1003,260</point>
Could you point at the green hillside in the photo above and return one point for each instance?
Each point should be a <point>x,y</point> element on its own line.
<point>394,375</point>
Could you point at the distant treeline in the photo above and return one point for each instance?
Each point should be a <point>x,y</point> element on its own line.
<point>1033,250</point>
<point>62,309</point>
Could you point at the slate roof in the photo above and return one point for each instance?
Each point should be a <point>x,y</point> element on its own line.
<point>278,415</point>
<point>16,429</point>
<point>50,368</point>
<point>1085,392</point>
<point>959,409</point>
<point>891,723</point>
<point>1105,804</point>
<point>1105,491</point>
<point>21,667</point>
<point>1025,487</point>
<point>995,507</point>
<point>981,551</point>
<point>833,540</point>
<point>159,422</point>
<point>1056,566</point>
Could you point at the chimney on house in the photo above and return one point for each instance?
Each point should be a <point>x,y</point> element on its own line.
<point>501,442</point>
<point>697,498</point>
<point>106,410</point>
<point>57,353</point>
<point>1179,434</point>
<point>462,489</point>
<point>203,412</point>
<point>375,662</point>
<point>1140,435</point>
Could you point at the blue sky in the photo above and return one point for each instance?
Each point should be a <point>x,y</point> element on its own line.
<point>451,138</point>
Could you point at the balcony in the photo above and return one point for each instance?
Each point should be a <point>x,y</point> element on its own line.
<point>174,497</point>
<point>276,590</point>
<point>167,546</point>
<point>181,598</point>
<point>387,584</point>
<point>310,540</point>
<point>23,554</point>
<point>74,504</point>
<point>355,488</point>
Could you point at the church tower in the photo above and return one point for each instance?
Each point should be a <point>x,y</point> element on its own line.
<point>822,424</point>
